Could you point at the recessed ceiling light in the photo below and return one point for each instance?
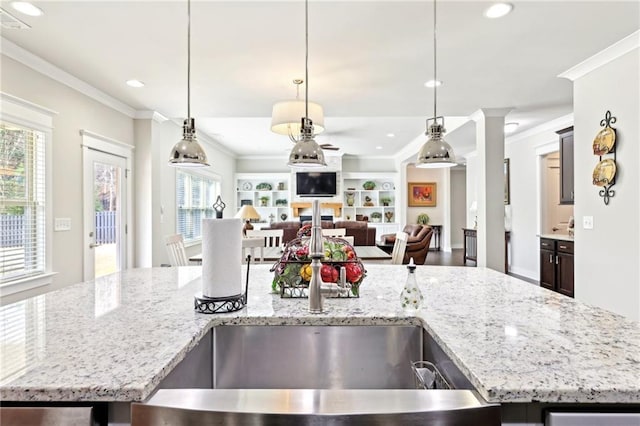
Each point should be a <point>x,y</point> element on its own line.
<point>433,83</point>
<point>498,10</point>
<point>27,8</point>
<point>391,135</point>
<point>135,83</point>
<point>510,127</point>
<point>378,147</point>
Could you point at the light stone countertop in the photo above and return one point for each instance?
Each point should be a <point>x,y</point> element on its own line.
<point>116,338</point>
<point>560,237</point>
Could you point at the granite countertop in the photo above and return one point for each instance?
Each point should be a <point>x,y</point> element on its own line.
<point>560,237</point>
<point>116,338</point>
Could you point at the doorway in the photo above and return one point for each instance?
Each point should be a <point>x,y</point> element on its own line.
<point>554,217</point>
<point>105,213</point>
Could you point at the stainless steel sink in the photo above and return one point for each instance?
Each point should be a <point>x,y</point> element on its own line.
<point>315,357</point>
<point>309,375</point>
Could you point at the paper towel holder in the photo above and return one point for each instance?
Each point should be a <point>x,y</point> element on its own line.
<point>220,305</point>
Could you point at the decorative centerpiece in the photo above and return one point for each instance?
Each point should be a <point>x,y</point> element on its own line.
<point>376,217</point>
<point>292,272</point>
<point>264,186</point>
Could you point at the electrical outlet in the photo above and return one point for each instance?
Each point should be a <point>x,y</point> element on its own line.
<point>587,222</point>
<point>62,224</point>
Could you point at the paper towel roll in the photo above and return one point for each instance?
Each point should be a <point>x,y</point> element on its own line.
<point>221,257</point>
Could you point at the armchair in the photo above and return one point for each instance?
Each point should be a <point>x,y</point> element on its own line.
<point>417,243</point>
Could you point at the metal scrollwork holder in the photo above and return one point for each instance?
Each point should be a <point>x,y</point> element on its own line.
<point>601,150</point>
<point>220,305</point>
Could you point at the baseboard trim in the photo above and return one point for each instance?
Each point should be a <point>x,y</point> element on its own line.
<point>523,278</point>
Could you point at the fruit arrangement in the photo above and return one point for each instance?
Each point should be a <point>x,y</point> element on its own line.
<point>292,272</point>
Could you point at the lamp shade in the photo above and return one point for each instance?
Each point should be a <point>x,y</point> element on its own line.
<point>285,117</point>
<point>247,212</point>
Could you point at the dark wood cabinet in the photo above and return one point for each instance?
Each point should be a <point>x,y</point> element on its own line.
<point>470,247</point>
<point>566,165</point>
<point>556,265</point>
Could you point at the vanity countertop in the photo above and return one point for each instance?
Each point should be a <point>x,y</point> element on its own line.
<point>560,237</point>
<point>116,338</point>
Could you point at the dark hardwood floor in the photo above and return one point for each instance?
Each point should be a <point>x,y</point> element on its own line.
<point>445,258</point>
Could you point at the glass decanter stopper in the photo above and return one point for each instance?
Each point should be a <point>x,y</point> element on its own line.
<point>411,297</point>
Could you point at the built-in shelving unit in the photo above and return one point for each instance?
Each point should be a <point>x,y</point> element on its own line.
<point>269,193</point>
<point>374,198</point>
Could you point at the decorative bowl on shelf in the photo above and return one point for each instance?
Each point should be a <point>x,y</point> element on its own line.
<point>264,186</point>
<point>369,185</point>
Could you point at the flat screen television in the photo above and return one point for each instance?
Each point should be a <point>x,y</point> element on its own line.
<point>316,184</point>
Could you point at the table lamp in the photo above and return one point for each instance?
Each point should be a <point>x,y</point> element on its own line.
<point>247,212</point>
<point>474,210</point>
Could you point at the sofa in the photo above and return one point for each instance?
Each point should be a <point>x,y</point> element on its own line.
<point>362,233</point>
<point>418,242</point>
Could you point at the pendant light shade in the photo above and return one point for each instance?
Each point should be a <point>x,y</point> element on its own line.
<point>435,152</point>
<point>188,152</point>
<point>306,152</point>
<point>285,117</point>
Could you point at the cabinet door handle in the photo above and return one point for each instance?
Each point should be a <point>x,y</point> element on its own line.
<point>550,258</point>
<point>563,247</point>
<point>572,195</point>
<point>556,260</point>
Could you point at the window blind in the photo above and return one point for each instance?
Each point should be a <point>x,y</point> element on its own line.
<point>22,202</point>
<point>195,195</point>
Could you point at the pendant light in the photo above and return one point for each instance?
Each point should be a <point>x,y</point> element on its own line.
<point>285,115</point>
<point>188,152</point>
<point>306,152</point>
<point>435,152</point>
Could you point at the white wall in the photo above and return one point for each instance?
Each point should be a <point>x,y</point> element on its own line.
<point>607,257</point>
<point>75,111</point>
<point>458,206</point>
<point>438,215</point>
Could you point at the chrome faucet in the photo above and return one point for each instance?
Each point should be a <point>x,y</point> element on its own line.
<point>318,289</point>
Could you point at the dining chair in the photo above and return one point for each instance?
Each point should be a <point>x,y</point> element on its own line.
<point>175,249</point>
<point>336,232</point>
<point>397,255</point>
<point>272,237</point>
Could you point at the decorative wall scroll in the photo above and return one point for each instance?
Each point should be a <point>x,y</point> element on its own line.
<point>604,144</point>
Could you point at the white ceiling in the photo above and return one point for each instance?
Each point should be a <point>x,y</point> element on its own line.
<point>368,61</point>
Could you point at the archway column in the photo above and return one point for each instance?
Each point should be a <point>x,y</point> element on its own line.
<point>490,190</point>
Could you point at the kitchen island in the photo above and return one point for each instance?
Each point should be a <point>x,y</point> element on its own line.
<point>116,338</point>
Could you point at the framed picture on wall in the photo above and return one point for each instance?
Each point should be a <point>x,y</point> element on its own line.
<point>507,195</point>
<point>422,194</point>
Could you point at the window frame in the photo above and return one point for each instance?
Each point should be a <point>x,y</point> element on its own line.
<point>19,112</point>
<point>201,174</point>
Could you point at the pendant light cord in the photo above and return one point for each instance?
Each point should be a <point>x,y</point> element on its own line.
<point>189,61</point>
<point>306,59</point>
<point>435,76</point>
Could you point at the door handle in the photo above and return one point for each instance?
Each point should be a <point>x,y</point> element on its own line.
<point>556,260</point>
<point>94,245</point>
<point>550,258</point>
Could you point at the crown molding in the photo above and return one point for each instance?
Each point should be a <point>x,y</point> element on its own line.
<point>616,50</point>
<point>46,68</point>
<point>549,126</point>
<point>150,115</point>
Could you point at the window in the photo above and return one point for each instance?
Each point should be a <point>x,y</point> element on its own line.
<point>195,195</point>
<point>22,202</point>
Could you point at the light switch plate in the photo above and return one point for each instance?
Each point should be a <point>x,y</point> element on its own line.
<point>62,224</point>
<point>587,222</point>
